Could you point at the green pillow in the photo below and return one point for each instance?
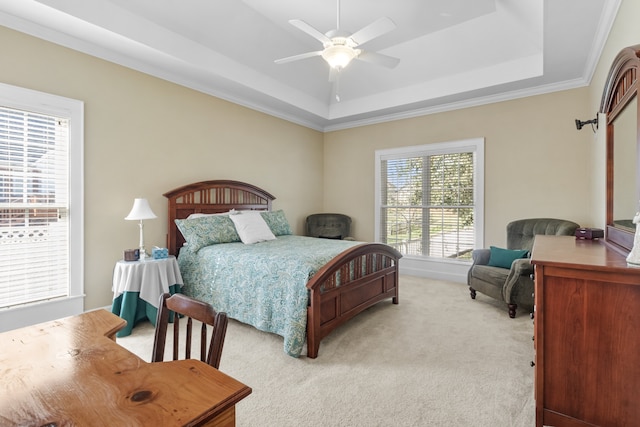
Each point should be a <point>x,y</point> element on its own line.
<point>504,257</point>
<point>207,230</point>
<point>277,222</point>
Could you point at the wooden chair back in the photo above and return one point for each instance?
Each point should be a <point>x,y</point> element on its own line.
<point>190,309</point>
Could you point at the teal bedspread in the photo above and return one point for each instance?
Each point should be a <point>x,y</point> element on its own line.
<point>263,284</point>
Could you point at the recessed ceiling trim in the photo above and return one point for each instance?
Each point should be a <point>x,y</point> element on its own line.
<point>469,80</point>
<point>236,63</point>
<point>458,105</point>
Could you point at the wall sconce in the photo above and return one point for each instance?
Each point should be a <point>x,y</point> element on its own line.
<point>141,211</point>
<point>591,122</point>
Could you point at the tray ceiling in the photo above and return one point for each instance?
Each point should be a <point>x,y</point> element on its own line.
<point>453,53</point>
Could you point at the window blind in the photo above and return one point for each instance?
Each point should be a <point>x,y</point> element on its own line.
<point>427,204</point>
<point>34,207</point>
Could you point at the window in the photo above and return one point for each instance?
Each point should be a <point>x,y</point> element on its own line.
<point>429,199</point>
<point>40,205</point>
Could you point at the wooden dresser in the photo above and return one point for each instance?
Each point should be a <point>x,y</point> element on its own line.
<point>586,334</point>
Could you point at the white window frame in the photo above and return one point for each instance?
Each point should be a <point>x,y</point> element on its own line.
<point>423,266</point>
<point>31,100</point>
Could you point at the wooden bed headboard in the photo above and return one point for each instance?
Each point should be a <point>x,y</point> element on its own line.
<point>211,197</point>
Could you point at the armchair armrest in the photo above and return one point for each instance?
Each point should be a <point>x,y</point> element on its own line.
<point>519,267</point>
<point>522,267</point>
<point>480,256</point>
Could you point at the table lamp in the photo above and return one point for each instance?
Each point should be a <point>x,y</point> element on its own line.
<point>139,212</point>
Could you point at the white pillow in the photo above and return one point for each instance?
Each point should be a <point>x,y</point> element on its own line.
<point>251,227</point>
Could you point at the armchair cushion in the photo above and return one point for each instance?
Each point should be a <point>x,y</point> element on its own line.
<point>491,274</point>
<point>500,257</point>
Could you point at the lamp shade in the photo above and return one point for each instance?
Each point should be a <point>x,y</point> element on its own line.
<point>140,210</point>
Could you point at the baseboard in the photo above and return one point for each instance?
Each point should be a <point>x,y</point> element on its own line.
<point>449,271</point>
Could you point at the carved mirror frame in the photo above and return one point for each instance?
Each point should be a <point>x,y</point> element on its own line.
<point>620,89</point>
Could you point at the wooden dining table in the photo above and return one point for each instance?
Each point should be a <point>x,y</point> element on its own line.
<point>71,372</point>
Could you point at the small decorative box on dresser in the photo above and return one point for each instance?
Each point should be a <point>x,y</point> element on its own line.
<point>586,334</point>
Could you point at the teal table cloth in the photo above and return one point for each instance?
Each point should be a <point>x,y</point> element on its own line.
<point>131,308</point>
<point>137,286</point>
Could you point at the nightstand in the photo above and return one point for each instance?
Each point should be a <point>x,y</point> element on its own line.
<point>137,286</point>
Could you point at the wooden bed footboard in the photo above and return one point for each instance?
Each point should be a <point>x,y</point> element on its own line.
<point>349,284</point>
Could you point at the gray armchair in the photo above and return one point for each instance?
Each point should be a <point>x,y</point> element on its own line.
<point>514,285</point>
<point>329,226</point>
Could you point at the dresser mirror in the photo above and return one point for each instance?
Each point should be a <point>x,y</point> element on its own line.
<point>620,104</point>
<point>625,199</point>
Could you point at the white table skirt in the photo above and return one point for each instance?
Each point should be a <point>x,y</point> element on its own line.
<point>151,278</point>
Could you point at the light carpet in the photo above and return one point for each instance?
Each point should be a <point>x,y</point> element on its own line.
<point>436,359</point>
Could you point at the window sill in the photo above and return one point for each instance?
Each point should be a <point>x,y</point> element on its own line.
<point>31,314</point>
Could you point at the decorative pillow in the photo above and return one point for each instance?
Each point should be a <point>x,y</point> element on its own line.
<point>500,257</point>
<point>207,230</point>
<point>251,227</point>
<point>277,222</point>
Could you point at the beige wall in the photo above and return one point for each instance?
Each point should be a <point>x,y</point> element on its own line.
<point>535,159</point>
<point>144,136</point>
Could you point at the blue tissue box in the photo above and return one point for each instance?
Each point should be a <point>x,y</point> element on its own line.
<point>160,253</point>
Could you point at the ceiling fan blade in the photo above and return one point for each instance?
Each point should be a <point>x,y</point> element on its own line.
<point>379,59</point>
<point>303,26</point>
<point>373,30</point>
<point>298,57</point>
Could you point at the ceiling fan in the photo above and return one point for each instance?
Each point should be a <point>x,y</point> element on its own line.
<point>340,47</point>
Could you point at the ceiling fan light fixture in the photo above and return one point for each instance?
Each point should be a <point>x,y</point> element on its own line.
<point>339,56</point>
